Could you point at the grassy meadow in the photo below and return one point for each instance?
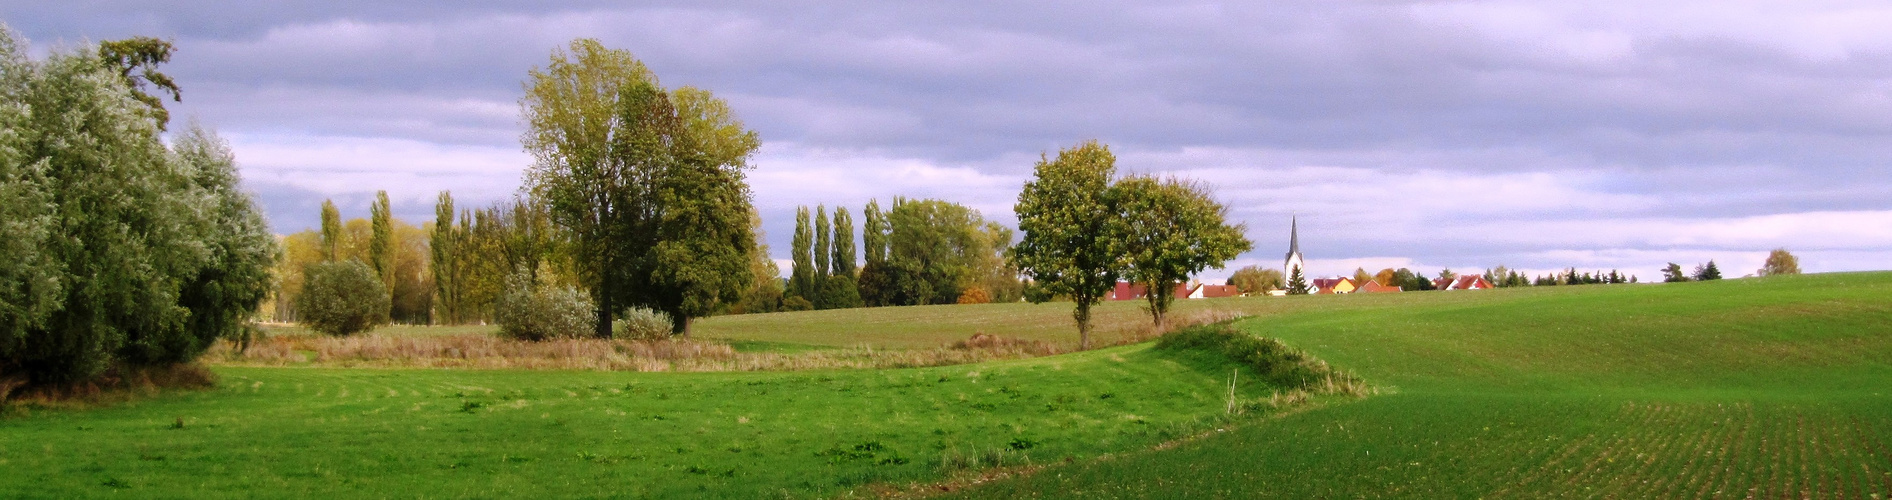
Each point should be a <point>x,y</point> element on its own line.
<point>1743,388</point>
<point>1766,388</point>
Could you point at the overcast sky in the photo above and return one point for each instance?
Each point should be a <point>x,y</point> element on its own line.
<point>1537,135</point>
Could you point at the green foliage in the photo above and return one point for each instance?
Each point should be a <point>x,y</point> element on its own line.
<point>342,298</point>
<point>143,54</point>
<point>1674,274</point>
<point>1255,280</point>
<point>332,235</point>
<point>1168,230</point>
<point>449,275</point>
<point>1707,272</point>
<point>638,323</point>
<point>1066,216</point>
<point>1779,262</point>
<point>823,239</point>
<point>841,260</point>
<point>766,294</point>
<point>528,310</point>
<point>118,249</point>
<point>873,233</point>
<point>839,292</point>
<point>381,243</point>
<point>802,278</point>
<point>1297,283</point>
<point>648,183</point>
<point>797,303</point>
<point>937,249</point>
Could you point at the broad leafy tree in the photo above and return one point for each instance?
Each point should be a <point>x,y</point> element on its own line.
<point>118,250</point>
<point>1066,217</point>
<point>1168,230</point>
<point>136,61</point>
<point>1780,262</point>
<point>648,182</point>
<point>1254,279</point>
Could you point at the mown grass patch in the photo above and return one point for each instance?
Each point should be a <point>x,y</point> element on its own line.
<point>384,432</point>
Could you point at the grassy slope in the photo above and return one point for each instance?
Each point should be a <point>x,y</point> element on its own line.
<point>1778,387</point>
<point>450,433</point>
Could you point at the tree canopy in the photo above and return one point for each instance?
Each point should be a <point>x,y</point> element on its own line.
<point>1066,216</point>
<point>1168,230</point>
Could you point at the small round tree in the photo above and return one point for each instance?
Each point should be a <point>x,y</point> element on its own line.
<point>528,311</point>
<point>342,298</point>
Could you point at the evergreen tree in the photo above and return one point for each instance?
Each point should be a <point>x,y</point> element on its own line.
<point>1674,274</point>
<point>332,234</point>
<point>1297,284</point>
<point>1707,272</point>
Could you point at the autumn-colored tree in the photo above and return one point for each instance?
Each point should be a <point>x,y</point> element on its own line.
<point>1780,262</point>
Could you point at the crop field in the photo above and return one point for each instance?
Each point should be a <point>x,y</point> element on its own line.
<point>1744,388</point>
<point>1750,388</point>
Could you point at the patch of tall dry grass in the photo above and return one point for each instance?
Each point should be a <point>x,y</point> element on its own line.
<point>480,351</point>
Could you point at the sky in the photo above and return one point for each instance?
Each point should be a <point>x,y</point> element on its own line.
<point>1463,135</point>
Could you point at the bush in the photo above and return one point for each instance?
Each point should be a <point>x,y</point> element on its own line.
<point>797,303</point>
<point>342,298</point>
<point>1282,366</point>
<point>526,311</point>
<point>639,323</point>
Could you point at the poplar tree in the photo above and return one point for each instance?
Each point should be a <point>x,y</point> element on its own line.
<point>443,244</point>
<point>381,240</point>
<point>802,276</point>
<point>873,232</point>
<point>331,232</point>
<point>1066,216</point>
<point>822,244</point>
<point>842,251</point>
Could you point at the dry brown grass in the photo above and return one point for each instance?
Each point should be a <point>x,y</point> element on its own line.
<point>117,383</point>
<point>486,351</point>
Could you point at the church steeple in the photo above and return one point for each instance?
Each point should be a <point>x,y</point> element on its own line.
<point>1294,235</point>
<point>1294,260</point>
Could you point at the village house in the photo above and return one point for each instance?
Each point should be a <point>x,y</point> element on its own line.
<point>1464,282</point>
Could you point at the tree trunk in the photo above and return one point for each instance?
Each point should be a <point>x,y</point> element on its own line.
<point>687,322</point>
<point>603,328</point>
<point>1083,325</point>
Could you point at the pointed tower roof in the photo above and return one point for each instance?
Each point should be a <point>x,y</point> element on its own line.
<point>1294,236</point>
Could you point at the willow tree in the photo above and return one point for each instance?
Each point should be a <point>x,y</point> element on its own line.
<point>118,250</point>
<point>648,183</point>
<point>1066,215</point>
<point>1170,229</point>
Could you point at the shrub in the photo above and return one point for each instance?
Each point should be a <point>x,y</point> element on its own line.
<point>639,323</point>
<point>797,303</point>
<point>526,311</point>
<point>342,298</point>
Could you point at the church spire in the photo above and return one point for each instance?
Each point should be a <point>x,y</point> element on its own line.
<point>1294,236</point>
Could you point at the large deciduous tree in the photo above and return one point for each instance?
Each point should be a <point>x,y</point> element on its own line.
<point>649,183</point>
<point>1066,215</point>
<point>118,250</point>
<point>1780,262</point>
<point>1169,229</point>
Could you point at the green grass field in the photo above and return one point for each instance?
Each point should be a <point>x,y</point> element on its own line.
<point>1746,388</point>
<point>1767,388</point>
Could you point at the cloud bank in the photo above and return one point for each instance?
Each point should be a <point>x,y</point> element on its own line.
<point>1425,134</point>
